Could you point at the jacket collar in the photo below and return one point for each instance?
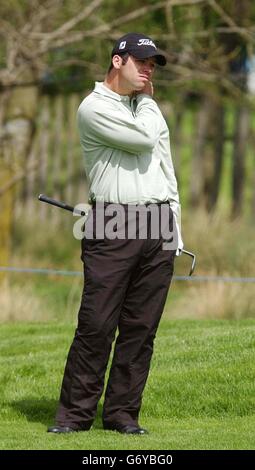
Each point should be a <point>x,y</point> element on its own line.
<point>101,89</point>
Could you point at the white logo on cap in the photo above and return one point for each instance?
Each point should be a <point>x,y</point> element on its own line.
<point>146,42</point>
<point>122,45</point>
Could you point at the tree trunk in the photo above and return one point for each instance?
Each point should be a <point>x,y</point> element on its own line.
<point>253,198</point>
<point>208,154</point>
<point>6,202</point>
<point>73,103</point>
<point>198,158</point>
<point>5,198</point>
<point>239,150</point>
<point>30,180</point>
<point>44,139</point>
<point>17,112</point>
<point>176,135</point>
<point>217,137</point>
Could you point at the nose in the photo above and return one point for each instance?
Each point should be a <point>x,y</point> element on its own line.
<point>148,67</point>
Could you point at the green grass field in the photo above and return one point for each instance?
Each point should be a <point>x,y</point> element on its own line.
<point>200,393</point>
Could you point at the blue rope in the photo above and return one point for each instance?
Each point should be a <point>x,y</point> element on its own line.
<point>80,273</point>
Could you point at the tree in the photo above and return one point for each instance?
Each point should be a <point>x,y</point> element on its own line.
<point>220,39</point>
<point>32,34</point>
<point>39,37</point>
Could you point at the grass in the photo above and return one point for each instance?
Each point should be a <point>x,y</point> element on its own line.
<point>199,395</point>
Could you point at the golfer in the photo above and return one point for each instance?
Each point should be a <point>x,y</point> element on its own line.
<point>125,142</point>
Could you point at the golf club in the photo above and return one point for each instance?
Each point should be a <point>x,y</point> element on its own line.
<point>62,205</point>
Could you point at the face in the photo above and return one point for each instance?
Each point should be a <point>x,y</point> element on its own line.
<point>134,73</point>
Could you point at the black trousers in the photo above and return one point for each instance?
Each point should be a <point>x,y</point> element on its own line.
<point>126,284</point>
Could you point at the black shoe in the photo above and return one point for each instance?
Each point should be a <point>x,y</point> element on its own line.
<point>128,429</point>
<point>61,429</point>
<point>133,430</point>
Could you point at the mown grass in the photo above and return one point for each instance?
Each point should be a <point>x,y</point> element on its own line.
<point>200,393</point>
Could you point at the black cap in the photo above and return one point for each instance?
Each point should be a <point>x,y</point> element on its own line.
<point>139,46</point>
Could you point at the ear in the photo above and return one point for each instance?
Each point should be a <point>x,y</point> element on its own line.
<point>117,61</point>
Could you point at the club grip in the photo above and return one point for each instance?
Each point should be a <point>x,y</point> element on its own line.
<point>53,202</point>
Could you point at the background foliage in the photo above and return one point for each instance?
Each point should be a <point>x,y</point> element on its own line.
<point>51,52</point>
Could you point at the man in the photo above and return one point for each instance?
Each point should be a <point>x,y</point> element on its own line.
<point>127,157</point>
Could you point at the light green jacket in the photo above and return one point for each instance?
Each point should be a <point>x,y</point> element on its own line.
<point>126,149</point>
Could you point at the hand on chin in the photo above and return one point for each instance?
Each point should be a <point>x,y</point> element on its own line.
<point>147,88</point>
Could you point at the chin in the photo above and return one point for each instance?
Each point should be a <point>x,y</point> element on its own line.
<point>139,86</point>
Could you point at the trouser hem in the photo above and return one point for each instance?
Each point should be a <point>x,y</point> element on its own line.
<point>75,427</point>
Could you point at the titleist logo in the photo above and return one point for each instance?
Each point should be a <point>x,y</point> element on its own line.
<point>146,42</point>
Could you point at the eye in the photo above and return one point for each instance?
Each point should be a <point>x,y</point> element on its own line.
<point>145,61</point>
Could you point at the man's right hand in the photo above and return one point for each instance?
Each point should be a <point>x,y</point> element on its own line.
<point>147,89</point>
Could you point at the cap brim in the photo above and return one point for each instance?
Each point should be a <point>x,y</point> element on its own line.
<point>160,58</point>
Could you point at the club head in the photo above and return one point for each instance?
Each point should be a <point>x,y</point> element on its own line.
<point>188,253</point>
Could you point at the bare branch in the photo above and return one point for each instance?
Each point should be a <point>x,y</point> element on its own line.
<point>228,20</point>
<point>40,13</point>
<point>79,36</point>
<point>20,54</point>
<point>205,33</point>
<point>123,19</point>
<point>185,75</point>
<point>185,2</point>
<point>87,11</point>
